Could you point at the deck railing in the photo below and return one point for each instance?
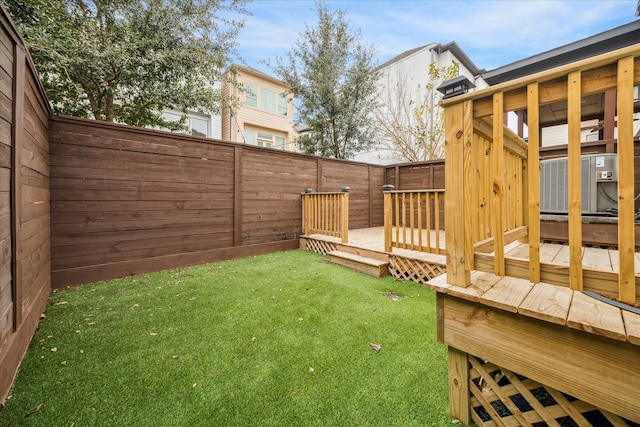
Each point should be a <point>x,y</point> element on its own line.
<point>511,173</point>
<point>413,220</point>
<point>326,214</point>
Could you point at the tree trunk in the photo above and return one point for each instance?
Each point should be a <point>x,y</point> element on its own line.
<point>109,114</point>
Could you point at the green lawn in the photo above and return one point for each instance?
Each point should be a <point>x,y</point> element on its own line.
<point>276,340</point>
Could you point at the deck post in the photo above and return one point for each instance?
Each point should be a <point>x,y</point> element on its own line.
<point>574,117</point>
<point>626,241</point>
<point>459,398</point>
<point>388,218</point>
<point>454,197</point>
<point>305,211</point>
<point>471,185</point>
<point>344,221</point>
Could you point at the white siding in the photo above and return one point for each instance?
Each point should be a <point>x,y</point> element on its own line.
<point>412,72</point>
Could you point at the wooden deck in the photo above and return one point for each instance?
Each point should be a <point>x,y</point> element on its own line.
<point>403,264</point>
<point>551,253</point>
<point>373,239</point>
<point>551,303</point>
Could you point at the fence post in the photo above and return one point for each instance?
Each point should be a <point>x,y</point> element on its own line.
<point>344,207</point>
<point>388,216</point>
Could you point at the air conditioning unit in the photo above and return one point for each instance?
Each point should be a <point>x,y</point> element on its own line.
<point>599,185</point>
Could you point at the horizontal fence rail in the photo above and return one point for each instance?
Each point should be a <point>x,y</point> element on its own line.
<point>413,220</point>
<point>326,214</point>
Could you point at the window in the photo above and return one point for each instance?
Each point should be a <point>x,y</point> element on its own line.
<point>198,126</point>
<point>267,100</point>
<point>195,124</point>
<point>251,95</point>
<point>249,137</point>
<point>265,139</point>
<point>283,105</point>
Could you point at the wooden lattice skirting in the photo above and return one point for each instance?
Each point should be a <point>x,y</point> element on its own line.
<point>414,270</point>
<point>320,246</point>
<point>502,398</point>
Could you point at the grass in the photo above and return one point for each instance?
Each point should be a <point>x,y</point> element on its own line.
<point>275,340</point>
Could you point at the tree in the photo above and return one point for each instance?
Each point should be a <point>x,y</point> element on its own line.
<point>331,73</point>
<point>411,119</point>
<point>127,60</point>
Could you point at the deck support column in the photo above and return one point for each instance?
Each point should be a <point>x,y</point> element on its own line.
<point>459,397</point>
<point>454,196</point>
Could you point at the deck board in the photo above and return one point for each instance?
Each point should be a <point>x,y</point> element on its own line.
<point>507,294</point>
<point>547,302</point>
<point>596,317</point>
<point>548,251</point>
<point>632,326</point>
<point>597,258</point>
<point>481,282</point>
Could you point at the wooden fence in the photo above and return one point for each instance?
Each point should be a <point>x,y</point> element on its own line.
<point>25,281</point>
<point>130,200</point>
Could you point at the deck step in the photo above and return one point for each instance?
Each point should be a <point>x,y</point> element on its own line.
<point>370,266</point>
<point>367,253</point>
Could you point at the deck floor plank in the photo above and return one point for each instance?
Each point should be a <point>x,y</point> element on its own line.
<point>597,258</point>
<point>547,302</point>
<point>520,251</point>
<point>615,261</point>
<point>632,326</point>
<point>596,317</point>
<point>439,283</point>
<point>507,293</point>
<point>481,282</point>
<point>548,251</point>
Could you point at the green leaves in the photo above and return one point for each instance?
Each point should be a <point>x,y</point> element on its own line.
<point>411,118</point>
<point>126,60</point>
<point>332,74</point>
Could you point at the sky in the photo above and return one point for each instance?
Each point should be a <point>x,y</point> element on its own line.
<point>491,33</point>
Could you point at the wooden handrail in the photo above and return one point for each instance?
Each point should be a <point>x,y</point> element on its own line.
<point>326,214</point>
<point>412,220</point>
<point>493,180</point>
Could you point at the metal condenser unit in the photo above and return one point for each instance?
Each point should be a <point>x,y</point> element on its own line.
<point>599,184</point>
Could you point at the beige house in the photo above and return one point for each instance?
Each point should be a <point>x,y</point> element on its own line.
<point>263,114</point>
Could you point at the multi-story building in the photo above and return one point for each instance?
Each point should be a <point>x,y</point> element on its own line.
<point>199,124</point>
<point>405,84</point>
<point>262,113</point>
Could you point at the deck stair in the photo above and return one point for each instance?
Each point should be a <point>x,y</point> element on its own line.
<point>366,261</point>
